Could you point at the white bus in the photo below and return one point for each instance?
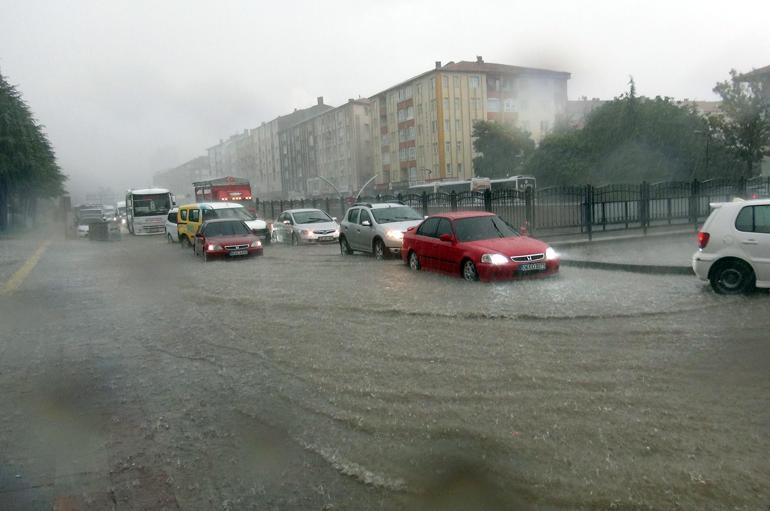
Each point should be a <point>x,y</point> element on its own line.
<point>147,209</point>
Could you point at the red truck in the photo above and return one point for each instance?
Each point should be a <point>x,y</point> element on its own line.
<point>228,188</point>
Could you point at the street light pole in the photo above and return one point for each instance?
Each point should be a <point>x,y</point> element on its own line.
<point>331,184</point>
<point>365,185</point>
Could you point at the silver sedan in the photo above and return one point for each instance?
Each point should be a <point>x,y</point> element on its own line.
<point>304,226</point>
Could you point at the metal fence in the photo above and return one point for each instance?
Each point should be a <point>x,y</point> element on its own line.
<point>567,209</point>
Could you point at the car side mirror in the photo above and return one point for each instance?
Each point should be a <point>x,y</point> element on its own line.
<point>446,237</point>
<point>425,217</point>
<point>287,222</point>
<point>334,219</point>
<point>411,228</point>
<point>198,234</point>
<point>366,223</point>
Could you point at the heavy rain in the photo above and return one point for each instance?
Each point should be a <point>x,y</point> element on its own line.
<point>391,257</point>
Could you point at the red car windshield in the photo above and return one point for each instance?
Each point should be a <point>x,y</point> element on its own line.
<point>482,228</point>
<point>233,228</point>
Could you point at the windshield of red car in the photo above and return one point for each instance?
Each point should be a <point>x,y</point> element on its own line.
<point>482,228</point>
<point>233,228</point>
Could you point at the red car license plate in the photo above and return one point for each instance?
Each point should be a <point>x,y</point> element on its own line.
<point>238,252</point>
<point>532,267</point>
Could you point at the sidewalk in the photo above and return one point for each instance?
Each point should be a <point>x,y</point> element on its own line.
<point>662,251</point>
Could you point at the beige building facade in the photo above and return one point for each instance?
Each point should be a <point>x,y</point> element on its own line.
<point>422,128</point>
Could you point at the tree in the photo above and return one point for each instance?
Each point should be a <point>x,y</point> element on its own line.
<point>502,149</point>
<point>28,167</point>
<point>744,127</point>
<point>631,139</point>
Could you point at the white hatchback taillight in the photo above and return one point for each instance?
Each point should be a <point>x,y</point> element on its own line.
<point>703,239</point>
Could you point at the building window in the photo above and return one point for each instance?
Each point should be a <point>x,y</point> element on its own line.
<point>448,149</point>
<point>433,126</point>
<point>493,105</point>
<point>456,82</point>
<point>446,126</point>
<point>446,105</point>
<point>459,150</point>
<point>459,169</point>
<point>474,82</point>
<point>419,110</point>
<point>435,148</point>
<point>457,105</point>
<point>509,105</point>
<point>458,126</point>
<point>445,82</point>
<point>448,169</point>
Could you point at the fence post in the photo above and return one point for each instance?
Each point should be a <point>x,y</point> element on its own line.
<point>588,210</point>
<point>453,200</point>
<point>399,197</point>
<point>694,203</point>
<point>487,200</point>
<point>529,209</point>
<point>424,203</point>
<point>645,205</point>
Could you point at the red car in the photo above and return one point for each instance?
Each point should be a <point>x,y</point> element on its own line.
<point>476,245</point>
<point>227,238</point>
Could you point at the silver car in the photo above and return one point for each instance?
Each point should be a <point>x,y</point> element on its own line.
<point>298,226</point>
<point>376,228</point>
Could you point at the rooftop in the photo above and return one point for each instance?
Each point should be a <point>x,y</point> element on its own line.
<point>479,66</point>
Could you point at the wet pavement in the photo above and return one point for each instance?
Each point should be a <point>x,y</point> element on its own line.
<point>668,250</point>
<point>139,377</point>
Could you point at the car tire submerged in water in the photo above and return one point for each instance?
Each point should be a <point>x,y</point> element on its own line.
<point>469,271</point>
<point>345,247</point>
<point>381,252</point>
<point>732,278</point>
<point>414,261</point>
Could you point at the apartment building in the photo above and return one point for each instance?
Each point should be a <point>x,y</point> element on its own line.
<point>422,127</point>
<point>256,155</point>
<point>343,149</point>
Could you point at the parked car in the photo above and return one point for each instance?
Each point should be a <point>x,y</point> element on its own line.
<point>476,245</point>
<point>191,216</point>
<point>172,233</point>
<point>83,230</point>
<point>298,226</point>
<point>376,228</point>
<point>734,247</point>
<point>226,238</point>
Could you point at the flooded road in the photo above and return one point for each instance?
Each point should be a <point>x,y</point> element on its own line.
<point>141,378</point>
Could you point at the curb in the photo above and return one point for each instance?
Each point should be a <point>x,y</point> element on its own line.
<point>637,236</point>
<point>634,268</point>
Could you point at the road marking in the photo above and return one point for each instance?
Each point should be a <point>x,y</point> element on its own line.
<point>17,278</point>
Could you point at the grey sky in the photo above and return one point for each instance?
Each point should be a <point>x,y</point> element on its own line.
<point>126,88</point>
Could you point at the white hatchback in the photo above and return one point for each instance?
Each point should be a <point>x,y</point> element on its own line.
<point>734,247</point>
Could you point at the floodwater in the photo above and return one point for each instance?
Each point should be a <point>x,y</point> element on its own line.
<point>303,379</point>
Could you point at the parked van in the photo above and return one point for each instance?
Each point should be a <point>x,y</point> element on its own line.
<point>191,216</point>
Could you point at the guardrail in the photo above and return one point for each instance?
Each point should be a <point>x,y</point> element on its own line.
<point>568,209</point>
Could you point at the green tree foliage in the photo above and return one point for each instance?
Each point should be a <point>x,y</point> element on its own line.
<point>28,167</point>
<point>744,127</point>
<point>502,149</point>
<point>631,139</point>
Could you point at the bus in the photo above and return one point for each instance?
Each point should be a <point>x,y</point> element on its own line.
<point>478,184</point>
<point>225,189</point>
<point>147,209</point>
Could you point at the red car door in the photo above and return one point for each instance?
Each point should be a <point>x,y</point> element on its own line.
<point>446,252</point>
<point>423,242</point>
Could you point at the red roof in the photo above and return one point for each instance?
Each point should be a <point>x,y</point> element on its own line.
<point>456,215</point>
